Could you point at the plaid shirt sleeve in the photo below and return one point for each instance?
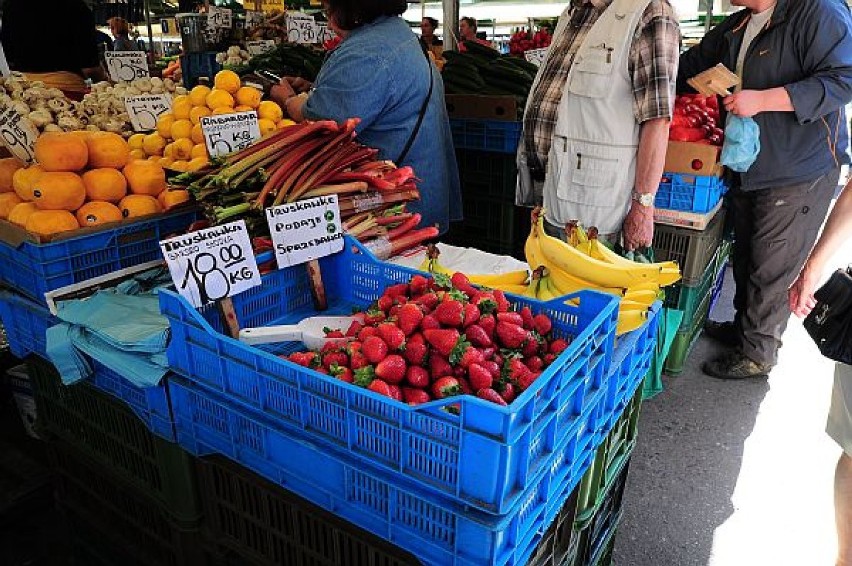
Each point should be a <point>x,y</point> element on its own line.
<point>654,57</point>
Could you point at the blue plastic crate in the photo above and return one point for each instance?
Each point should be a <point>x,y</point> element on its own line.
<point>26,323</point>
<point>486,135</point>
<point>34,269</point>
<point>397,508</point>
<point>716,292</point>
<point>443,450</point>
<point>690,193</point>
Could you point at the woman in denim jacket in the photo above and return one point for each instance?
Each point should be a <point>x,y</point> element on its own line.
<point>380,74</point>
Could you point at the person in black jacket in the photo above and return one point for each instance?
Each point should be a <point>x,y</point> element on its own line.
<point>795,61</point>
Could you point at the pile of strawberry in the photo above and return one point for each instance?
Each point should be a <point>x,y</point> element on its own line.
<point>437,338</point>
<point>524,40</point>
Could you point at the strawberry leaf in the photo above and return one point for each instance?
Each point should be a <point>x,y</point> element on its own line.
<point>442,281</point>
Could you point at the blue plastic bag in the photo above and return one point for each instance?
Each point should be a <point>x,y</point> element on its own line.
<point>742,143</point>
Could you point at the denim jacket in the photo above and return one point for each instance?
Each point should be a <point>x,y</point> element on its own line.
<point>807,49</point>
<point>380,75</point>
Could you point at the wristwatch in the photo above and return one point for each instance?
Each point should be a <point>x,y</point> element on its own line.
<point>645,199</point>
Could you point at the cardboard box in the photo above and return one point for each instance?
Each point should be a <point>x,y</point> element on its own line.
<point>683,157</point>
<point>482,107</point>
<point>691,220</point>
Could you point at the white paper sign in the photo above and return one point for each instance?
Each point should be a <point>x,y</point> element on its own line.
<point>126,65</point>
<point>324,33</point>
<point>18,135</point>
<point>227,133</point>
<point>219,18</point>
<point>302,28</point>
<point>145,109</point>
<point>305,230</point>
<point>213,263</point>
<point>536,56</point>
<point>259,46</point>
<point>253,18</point>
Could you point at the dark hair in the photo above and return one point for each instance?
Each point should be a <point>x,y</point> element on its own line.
<point>351,14</point>
<point>432,21</point>
<point>470,21</point>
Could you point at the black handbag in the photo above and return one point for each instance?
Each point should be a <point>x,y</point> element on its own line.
<point>830,323</point>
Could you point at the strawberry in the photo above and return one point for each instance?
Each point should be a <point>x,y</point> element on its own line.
<point>462,283</point>
<point>336,333</point>
<point>464,384</point>
<point>488,323</point>
<point>527,380</point>
<point>380,387</point>
<point>469,356</point>
<point>417,376</point>
<point>416,349</point>
<point>342,373</point>
<point>375,349</point>
<point>450,313</point>
<point>358,360</point>
<point>527,317</point>
<point>492,367</point>
<point>428,301</point>
<point>330,347</point>
<point>409,318</point>
<point>438,366</point>
<point>446,387</point>
<point>367,331</point>
<point>395,392</point>
<point>470,314</point>
<point>391,369</point>
<point>338,358</point>
<point>459,372</point>
<point>549,359</point>
<point>400,290</point>
<point>534,363</point>
<point>430,323</point>
<point>491,395</point>
<point>321,370</point>
<point>511,317</point>
<point>373,317</point>
<point>394,311</point>
<point>480,378</point>
<point>414,396</point>
<point>352,347</point>
<point>489,352</point>
<point>558,346</point>
<point>532,346</point>
<point>304,359</point>
<point>501,301</point>
<point>443,341</point>
<point>354,329</point>
<point>486,304</point>
<point>418,285</point>
<point>498,359</point>
<point>508,392</point>
<point>477,336</point>
<point>393,336</point>
<point>510,335</point>
<point>542,324</point>
<point>517,370</point>
<point>384,303</point>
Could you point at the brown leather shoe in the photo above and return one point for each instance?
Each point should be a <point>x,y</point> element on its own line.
<point>725,333</point>
<point>735,365</point>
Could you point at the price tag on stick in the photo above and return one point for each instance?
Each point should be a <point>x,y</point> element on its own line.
<point>302,28</point>
<point>305,230</point>
<point>221,18</point>
<point>144,110</point>
<point>259,46</point>
<point>536,56</point>
<point>227,133</point>
<point>212,264</point>
<point>126,65</point>
<point>18,135</point>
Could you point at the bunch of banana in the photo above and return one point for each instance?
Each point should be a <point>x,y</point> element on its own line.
<point>585,263</point>
<point>511,282</point>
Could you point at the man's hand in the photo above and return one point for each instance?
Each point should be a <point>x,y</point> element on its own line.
<point>746,103</point>
<point>282,92</point>
<point>801,293</point>
<point>299,84</point>
<point>638,229</point>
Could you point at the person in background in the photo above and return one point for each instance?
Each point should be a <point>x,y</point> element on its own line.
<point>467,32</point>
<point>427,33</point>
<point>121,32</point>
<point>794,58</point>
<point>380,74</point>
<point>838,230</point>
<point>103,40</point>
<point>596,125</point>
<point>69,55</point>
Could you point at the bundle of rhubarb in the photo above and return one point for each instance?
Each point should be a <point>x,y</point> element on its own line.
<point>311,160</point>
<point>440,337</point>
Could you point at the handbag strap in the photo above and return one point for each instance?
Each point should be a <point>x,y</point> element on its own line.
<point>421,116</point>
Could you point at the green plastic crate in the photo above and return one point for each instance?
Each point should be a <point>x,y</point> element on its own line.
<point>687,298</point>
<point>693,250</point>
<point>670,320</point>
<point>108,432</point>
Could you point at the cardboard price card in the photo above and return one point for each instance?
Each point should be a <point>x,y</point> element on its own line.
<point>18,135</point>
<point>253,18</point>
<point>219,18</point>
<point>126,65</point>
<point>144,110</point>
<point>227,133</point>
<point>302,28</point>
<point>536,56</point>
<point>212,264</point>
<point>305,230</point>
<point>259,46</point>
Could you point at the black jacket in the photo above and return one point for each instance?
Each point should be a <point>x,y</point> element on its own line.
<point>807,49</point>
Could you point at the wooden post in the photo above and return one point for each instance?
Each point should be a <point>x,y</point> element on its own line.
<point>317,285</point>
<point>229,317</point>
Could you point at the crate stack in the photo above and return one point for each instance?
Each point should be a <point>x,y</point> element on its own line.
<point>486,148</point>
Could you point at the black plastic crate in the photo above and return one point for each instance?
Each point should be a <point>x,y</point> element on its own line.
<point>488,175</point>
<point>114,519</point>
<point>257,522</point>
<point>557,542</point>
<point>108,432</point>
<point>693,250</point>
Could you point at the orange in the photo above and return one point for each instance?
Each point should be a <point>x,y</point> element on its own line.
<point>197,135</point>
<point>8,201</point>
<point>133,206</point>
<point>183,149</point>
<point>241,108</point>
<point>223,110</point>
<point>107,149</point>
<point>180,165</point>
<point>49,222</point>
<point>248,96</point>
<point>196,164</point>
<point>266,126</point>
<point>198,94</point>
<point>197,113</point>
<point>169,151</point>
<point>59,190</point>
<point>154,144</point>
<point>61,152</point>
<point>166,162</point>
<point>105,184</point>
<point>164,125</point>
<point>20,213</point>
<point>269,110</point>
<point>219,98</point>
<point>226,80</point>
<point>138,154</point>
<point>181,129</point>
<point>23,179</point>
<point>8,167</point>
<point>96,213</point>
<point>170,199</point>
<point>199,150</point>
<point>181,107</point>
<point>135,141</point>
<point>145,177</point>
<point>285,123</point>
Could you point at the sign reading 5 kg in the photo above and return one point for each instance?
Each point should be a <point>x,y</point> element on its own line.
<point>126,65</point>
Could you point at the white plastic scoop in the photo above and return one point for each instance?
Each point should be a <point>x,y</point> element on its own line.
<point>310,331</point>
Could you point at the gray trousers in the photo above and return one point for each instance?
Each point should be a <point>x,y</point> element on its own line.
<point>775,230</point>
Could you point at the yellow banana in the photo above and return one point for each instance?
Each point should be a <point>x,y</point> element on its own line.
<point>515,289</point>
<point>498,281</point>
<point>629,321</point>
<point>628,305</point>
<point>602,252</point>
<point>644,297</point>
<point>535,284</point>
<point>431,264</point>
<point>582,234</point>
<point>532,250</point>
<point>545,290</point>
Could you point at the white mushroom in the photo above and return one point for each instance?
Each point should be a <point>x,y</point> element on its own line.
<point>92,128</point>
<point>52,128</point>
<point>20,107</point>
<point>169,85</point>
<point>69,123</point>
<point>58,104</point>
<point>156,82</point>
<point>142,85</point>
<point>179,90</point>
<point>55,93</point>
<point>40,118</point>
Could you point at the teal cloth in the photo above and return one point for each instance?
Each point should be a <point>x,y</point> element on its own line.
<point>122,328</point>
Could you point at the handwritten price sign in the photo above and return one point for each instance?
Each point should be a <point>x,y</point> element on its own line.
<point>253,18</point>
<point>18,135</point>
<point>536,56</point>
<point>305,230</point>
<point>219,18</point>
<point>259,46</point>
<point>324,33</point>
<point>126,65</point>
<point>302,28</point>
<point>144,110</point>
<point>212,264</point>
<point>227,133</point>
